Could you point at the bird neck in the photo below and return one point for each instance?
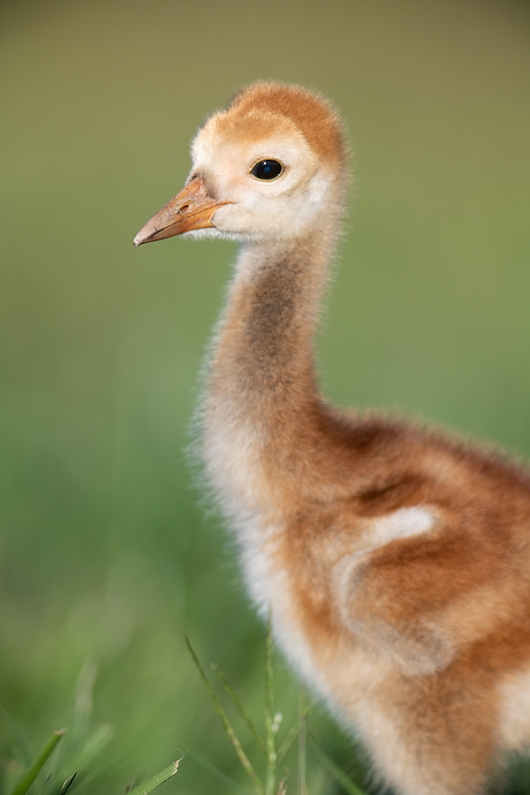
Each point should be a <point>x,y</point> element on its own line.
<point>263,414</point>
<point>268,329</point>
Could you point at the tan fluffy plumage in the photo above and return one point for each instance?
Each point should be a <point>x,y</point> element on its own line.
<point>395,561</point>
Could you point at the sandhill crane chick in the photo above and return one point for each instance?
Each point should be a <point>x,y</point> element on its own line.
<point>393,559</point>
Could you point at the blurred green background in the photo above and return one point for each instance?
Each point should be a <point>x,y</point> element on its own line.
<point>106,553</point>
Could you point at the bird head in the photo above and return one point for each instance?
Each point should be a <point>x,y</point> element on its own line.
<point>269,167</point>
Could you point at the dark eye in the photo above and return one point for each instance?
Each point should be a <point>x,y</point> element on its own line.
<point>267,169</point>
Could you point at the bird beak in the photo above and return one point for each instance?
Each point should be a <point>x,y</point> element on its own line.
<point>192,208</point>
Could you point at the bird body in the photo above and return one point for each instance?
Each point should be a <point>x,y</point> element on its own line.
<point>393,559</point>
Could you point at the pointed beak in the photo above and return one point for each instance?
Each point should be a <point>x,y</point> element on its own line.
<point>192,208</point>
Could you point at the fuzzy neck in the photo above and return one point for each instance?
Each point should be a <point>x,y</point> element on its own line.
<point>265,348</point>
<point>263,418</point>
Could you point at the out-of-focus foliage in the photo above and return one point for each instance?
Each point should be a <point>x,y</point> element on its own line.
<point>105,551</point>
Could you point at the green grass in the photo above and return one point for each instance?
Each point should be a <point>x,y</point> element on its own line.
<point>80,764</point>
<point>275,776</point>
<point>85,763</point>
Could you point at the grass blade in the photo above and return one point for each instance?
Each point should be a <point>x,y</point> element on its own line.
<point>291,737</point>
<point>243,758</point>
<point>213,770</point>
<point>68,783</point>
<point>339,775</point>
<point>282,786</point>
<point>92,747</point>
<point>18,737</point>
<point>302,745</point>
<point>270,775</point>
<point>29,777</point>
<point>156,781</point>
<point>296,728</point>
<point>258,739</point>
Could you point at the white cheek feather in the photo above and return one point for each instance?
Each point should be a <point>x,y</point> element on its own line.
<point>318,188</point>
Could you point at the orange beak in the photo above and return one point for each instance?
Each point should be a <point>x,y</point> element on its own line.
<point>190,209</point>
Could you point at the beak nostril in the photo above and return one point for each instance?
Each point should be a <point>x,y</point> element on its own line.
<point>190,209</point>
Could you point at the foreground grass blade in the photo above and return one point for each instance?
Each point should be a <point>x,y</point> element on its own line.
<point>68,783</point>
<point>156,781</point>
<point>296,728</point>
<point>214,771</point>
<point>294,731</point>
<point>302,745</point>
<point>29,777</point>
<point>243,758</point>
<point>258,739</point>
<point>92,747</point>
<point>339,775</point>
<point>270,775</point>
<point>18,736</point>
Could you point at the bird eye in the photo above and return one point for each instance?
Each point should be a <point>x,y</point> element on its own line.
<point>267,169</point>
